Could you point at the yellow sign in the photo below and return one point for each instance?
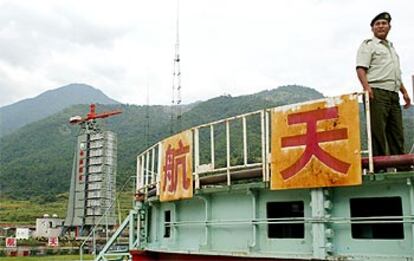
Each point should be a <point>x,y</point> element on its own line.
<point>316,144</point>
<point>177,171</point>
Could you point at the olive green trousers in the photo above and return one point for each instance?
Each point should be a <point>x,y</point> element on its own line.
<point>386,123</point>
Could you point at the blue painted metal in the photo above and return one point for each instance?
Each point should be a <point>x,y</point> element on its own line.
<point>228,214</point>
<point>232,221</point>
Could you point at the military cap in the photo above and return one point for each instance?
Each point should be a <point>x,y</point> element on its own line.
<point>383,15</point>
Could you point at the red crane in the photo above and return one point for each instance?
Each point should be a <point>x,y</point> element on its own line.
<point>92,115</point>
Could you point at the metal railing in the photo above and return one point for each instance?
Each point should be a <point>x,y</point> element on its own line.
<point>212,166</point>
<point>205,140</point>
<point>149,161</point>
<point>149,169</point>
<point>127,224</point>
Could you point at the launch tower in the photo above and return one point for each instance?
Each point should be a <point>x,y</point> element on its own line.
<point>92,188</point>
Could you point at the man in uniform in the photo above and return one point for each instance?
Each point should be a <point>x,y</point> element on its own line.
<point>378,70</point>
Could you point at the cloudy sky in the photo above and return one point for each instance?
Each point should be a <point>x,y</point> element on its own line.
<point>231,47</point>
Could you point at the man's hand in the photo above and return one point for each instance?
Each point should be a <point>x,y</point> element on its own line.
<point>407,101</point>
<point>370,92</point>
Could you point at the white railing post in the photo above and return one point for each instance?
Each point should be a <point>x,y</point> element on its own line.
<point>267,145</point>
<point>263,136</point>
<point>147,155</point>
<point>196,157</point>
<point>159,169</point>
<point>142,170</point>
<point>153,166</point>
<point>369,134</point>
<point>244,140</point>
<point>212,145</point>
<point>138,174</point>
<point>228,151</point>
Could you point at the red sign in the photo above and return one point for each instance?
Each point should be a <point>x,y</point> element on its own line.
<point>11,242</point>
<point>176,158</point>
<point>176,176</point>
<point>311,140</point>
<point>53,242</point>
<point>316,144</point>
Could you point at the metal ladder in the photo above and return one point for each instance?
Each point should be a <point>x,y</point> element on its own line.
<point>136,225</point>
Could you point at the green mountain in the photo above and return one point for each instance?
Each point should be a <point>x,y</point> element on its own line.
<point>48,103</point>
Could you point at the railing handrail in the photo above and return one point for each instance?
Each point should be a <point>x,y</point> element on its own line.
<point>148,177</point>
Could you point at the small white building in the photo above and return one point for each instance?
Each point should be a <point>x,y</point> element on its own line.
<point>22,233</point>
<point>48,226</point>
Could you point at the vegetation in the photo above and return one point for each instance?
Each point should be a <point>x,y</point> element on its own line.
<point>28,211</point>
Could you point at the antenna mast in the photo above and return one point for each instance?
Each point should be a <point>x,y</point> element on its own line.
<point>176,86</point>
<point>147,118</point>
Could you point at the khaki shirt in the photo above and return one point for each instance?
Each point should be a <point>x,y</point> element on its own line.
<point>382,63</point>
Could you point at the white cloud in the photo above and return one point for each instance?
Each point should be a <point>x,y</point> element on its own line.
<point>227,46</point>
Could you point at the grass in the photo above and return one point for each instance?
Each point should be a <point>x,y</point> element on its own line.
<point>46,258</point>
<point>25,212</point>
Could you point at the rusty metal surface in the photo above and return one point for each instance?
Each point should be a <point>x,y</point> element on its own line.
<point>176,163</point>
<point>235,175</point>
<point>405,160</point>
<point>316,144</point>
